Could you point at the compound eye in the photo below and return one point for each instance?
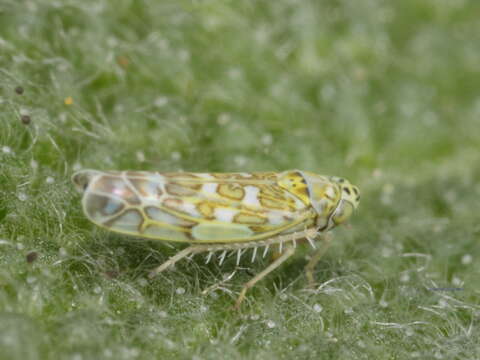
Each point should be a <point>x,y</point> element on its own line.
<point>343,212</point>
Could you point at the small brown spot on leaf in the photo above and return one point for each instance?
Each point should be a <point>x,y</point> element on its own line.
<point>112,274</point>
<point>31,257</point>
<point>26,119</point>
<point>19,90</point>
<point>123,61</point>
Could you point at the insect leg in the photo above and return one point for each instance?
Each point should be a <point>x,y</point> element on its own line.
<point>178,256</point>
<point>317,255</point>
<point>286,254</point>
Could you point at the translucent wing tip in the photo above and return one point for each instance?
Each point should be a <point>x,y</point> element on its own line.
<point>81,179</point>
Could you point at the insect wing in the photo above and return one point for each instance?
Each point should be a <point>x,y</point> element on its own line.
<point>194,207</point>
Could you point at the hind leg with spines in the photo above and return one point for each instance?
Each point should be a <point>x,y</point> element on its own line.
<point>289,251</point>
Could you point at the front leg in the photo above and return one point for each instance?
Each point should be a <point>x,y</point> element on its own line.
<point>317,255</point>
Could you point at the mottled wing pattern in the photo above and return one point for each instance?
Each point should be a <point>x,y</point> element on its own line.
<point>199,207</point>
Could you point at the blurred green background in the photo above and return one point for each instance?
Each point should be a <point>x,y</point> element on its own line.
<point>383,93</point>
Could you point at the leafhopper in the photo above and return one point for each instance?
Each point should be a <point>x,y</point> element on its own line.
<point>221,212</point>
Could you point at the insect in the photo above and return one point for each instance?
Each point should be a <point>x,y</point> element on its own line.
<point>220,212</point>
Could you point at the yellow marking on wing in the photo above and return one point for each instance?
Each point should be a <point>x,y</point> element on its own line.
<point>206,209</point>
<point>268,192</point>
<point>294,182</point>
<point>231,191</point>
<point>249,218</point>
<point>272,203</point>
